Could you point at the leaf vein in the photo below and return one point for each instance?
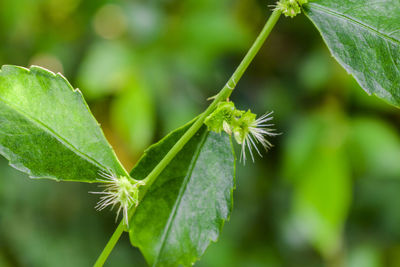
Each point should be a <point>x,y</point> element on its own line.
<point>179,197</point>
<point>56,136</point>
<point>355,21</point>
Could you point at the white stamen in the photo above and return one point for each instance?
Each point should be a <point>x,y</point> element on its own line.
<point>120,191</point>
<point>258,131</point>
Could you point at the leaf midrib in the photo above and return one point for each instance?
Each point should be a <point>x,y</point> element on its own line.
<point>355,21</point>
<point>60,139</point>
<point>180,195</point>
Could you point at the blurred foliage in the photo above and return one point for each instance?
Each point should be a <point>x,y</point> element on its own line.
<point>325,195</point>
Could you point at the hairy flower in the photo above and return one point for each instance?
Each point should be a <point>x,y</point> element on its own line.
<point>244,125</point>
<point>119,191</point>
<point>249,132</point>
<point>290,8</point>
<point>221,119</point>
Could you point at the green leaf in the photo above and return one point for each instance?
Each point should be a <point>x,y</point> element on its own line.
<point>47,130</point>
<point>364,37</point>
<point>185,209</point>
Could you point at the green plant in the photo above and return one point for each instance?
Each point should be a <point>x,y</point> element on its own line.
<point>48,132</point>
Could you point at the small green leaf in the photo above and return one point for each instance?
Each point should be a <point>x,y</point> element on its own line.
<point>47,130</point>
<point>187,206</point>
<point>364,37</point>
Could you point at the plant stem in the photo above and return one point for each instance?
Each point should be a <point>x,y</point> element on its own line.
<point>273,19</point>
<point>222,95</point>
<point>110,245</point>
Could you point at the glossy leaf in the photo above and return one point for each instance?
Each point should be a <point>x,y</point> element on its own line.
<point>364,37</point>
<point>188,204</point>
<point>47,130</point>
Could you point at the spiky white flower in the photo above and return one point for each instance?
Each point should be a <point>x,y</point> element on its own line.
<point>119,191</point>
<point>253,132</point>
<point>244,125</point>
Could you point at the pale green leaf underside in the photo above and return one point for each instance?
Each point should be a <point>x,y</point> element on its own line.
<point>47,130</point>
<point>188,204</point>
<point>364,37</point>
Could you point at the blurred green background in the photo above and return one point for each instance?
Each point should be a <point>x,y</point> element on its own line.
<point>327,194</point>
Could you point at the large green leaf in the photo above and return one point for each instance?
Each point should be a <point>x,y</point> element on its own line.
<point>188,204</point>
<point>47,130</point>
<point>364,37</point>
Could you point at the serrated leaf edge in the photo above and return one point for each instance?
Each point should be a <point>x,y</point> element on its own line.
<point>38,123</point>
<point>392,101</point>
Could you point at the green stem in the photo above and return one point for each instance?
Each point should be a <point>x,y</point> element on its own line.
<point>110,245</point>
<point>273,19</point>
<point>222,95</point>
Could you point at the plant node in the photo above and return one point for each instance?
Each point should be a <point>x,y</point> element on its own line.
<point>290,8</point>
<point>122,191</point>
<point>247,130</point>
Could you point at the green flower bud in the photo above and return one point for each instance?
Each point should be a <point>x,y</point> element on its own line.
<point>247,130</point>
<point>221,118</point>
<point>241,126</point>
<point>290,8</point>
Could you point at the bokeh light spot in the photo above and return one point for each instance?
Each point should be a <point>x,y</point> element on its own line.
<point>110,21</point>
